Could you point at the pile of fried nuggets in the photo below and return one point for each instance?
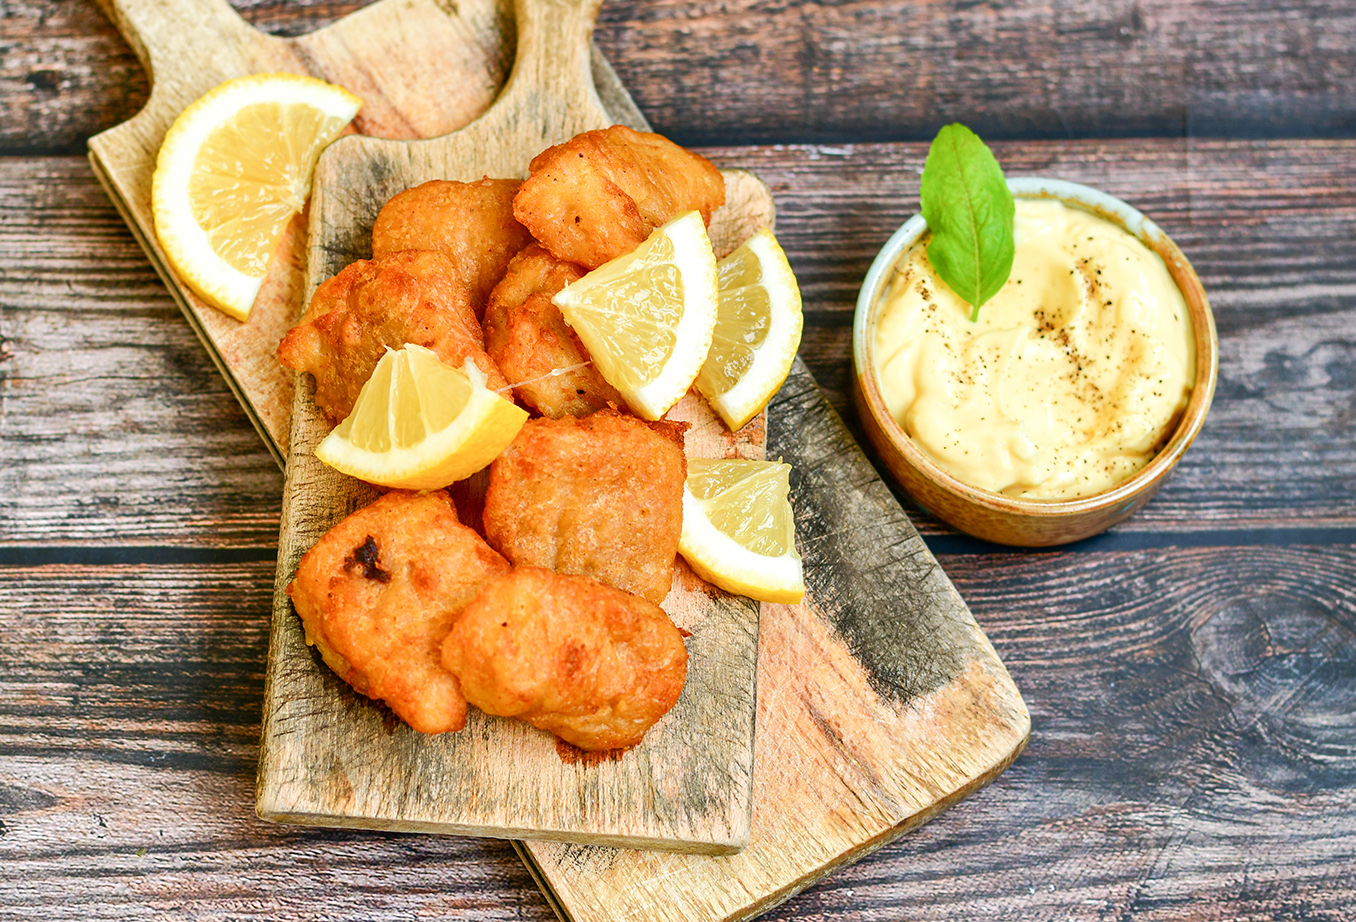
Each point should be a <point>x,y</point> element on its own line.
<point>541,600</point>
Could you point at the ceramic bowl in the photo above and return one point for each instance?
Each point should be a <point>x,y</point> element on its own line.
<point>994,516</point>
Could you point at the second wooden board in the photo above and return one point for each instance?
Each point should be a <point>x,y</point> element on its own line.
<point>880,703</point>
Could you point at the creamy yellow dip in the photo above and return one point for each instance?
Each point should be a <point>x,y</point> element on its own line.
<point>1072,379</point>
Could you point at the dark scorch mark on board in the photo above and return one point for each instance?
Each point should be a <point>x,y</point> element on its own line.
<point>865,565</point>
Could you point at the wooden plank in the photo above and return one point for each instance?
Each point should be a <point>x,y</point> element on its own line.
<point>150,448</point>
<point>65,74</point>
<point>115,428</point>
<point>1183,767</point>
<point>130,699</point>
<point>710,73</point>
<point>1195,724</point>
<point>896,70</point>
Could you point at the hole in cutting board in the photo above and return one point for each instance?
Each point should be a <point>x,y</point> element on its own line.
<point>288,18</point>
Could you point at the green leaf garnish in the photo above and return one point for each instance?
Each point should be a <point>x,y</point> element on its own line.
<point>969,209</point>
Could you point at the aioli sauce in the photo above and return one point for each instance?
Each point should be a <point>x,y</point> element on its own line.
<point>1072,379</point>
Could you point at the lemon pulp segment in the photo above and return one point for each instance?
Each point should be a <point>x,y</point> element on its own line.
<point>646,318</point>
<point>250,176</point>
<point>632,312</point>
<point>738,528</point>
<point>419,424</point>
<point>742,320</point>
<point>747,501</point>
<point>757,331</point>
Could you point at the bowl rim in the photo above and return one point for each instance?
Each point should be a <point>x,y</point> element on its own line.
<point>1205,341</point>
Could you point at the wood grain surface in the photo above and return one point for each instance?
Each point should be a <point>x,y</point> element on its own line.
<point>1189,674</point>
<point>745,71</point>
<point>1178,768</point>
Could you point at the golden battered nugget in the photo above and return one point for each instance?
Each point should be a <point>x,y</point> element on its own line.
<point>471,223</point>
<point>599,496</point>
<point>379,593</point>
<point>591,664</point>
<point>408,297</point>
<point>528,339</point>
<point>601,193</point>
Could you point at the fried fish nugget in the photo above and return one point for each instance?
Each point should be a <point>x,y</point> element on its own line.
<point>471,223</point>
<point>379,593</point>
<point>592,664</point>
<point>408,297</point>
<point>599,496</point>
<point>601,193</point>
<point>530,341</point>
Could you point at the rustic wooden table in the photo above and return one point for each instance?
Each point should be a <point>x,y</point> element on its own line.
<point>1191,675</point>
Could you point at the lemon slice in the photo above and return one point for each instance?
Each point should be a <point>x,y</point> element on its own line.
<point>738,530</point>
<point>233,169</point>
<point>758,324</point>
<point>646,317</point>
<point>419,424</point>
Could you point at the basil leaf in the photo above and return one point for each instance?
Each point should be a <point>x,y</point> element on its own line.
<point>969,209</point>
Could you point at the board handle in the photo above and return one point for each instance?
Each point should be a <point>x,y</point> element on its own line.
<point>176,39</point>
<point>552,78</point>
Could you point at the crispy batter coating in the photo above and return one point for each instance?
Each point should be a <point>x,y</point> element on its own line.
<point>379,593</point>
<point>601,193</point>
<point>599,496</point>
<point>591,664</point>
<point>471,223</point>
<point>408,297</point>
<point>528,339</point>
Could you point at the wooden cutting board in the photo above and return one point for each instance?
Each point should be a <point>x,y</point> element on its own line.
<point>688,785</point>
<point>880,702</point>
<point>330,757</point>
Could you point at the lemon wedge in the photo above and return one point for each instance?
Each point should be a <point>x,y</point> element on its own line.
<point>738,529</point>
<point>419,424</point>
<point>646,317</point>
<point>233,169</point>
<point>757,333</point>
